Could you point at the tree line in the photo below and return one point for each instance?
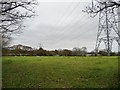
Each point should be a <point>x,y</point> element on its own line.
<point>21,50</point>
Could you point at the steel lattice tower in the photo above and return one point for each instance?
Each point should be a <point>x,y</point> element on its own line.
<point>108,28</point>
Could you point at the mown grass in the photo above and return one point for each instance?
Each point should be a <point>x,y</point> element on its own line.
<point>60,72</point>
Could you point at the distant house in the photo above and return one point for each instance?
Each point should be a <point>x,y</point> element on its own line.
<point>22,47</point>
<point>89,54</point>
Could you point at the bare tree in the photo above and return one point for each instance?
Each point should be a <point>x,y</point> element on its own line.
<point>77,51</point>
<point>84,51</point>
<point>12,14</point>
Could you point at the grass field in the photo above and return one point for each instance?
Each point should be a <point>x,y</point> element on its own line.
<point>60,72</point>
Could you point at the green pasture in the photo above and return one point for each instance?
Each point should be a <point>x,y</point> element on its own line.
<point>59,72</point>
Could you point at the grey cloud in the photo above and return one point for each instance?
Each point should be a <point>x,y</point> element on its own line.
<point>59,25</point>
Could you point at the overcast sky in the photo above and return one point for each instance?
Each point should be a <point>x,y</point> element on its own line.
<point>60,25</point>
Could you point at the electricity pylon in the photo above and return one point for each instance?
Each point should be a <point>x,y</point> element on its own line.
<point>119,31</point>
<point>109,22</point>
<point>108,27</point>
